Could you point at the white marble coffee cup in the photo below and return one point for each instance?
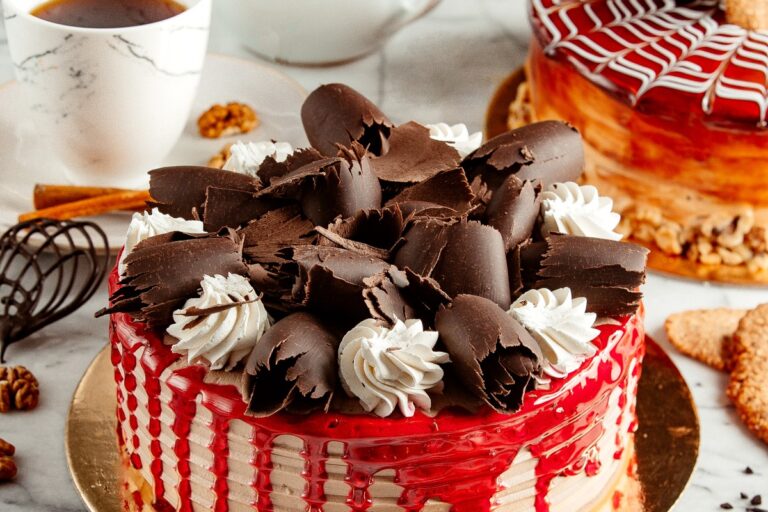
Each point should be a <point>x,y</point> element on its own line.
<point>110,103</point>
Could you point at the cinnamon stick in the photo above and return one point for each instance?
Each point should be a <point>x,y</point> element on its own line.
<point>123,200</point>
<point>46,196</point>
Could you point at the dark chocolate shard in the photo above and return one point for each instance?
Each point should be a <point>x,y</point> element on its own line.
<point>271,168</point>
<point>513,210</point>
<point>265,237</point>
<point>448,189</point>
<point>346,187</point>
<point>413,209</point>
<point>231,208</point>
<point>414,156</point>
<point>293,368</point>
<point>548,151</point>
<point>163,272</point>
<point>474,262</point>
<point>491,353</point>
<point>403,295</point>
<point>291,184</point>
<point>607,273</point>
<point>331,281</point>
<point>422,246</point>
<point>181,191</point>
<point>336,114</point>
<point>380,228</point>
<point>360,248</point>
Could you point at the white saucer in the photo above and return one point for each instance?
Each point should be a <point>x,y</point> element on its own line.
<point>24,160</point>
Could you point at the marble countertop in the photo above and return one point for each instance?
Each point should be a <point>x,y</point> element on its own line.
<point>443,67</point>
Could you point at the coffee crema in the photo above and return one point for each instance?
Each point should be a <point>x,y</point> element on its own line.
<point>107,13</point>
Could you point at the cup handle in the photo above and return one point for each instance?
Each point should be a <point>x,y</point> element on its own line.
<point>410,17</point>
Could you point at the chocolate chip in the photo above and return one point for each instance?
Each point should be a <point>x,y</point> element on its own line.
<point>749,471</point>
<point>726,506</point>
<point>756,500</point>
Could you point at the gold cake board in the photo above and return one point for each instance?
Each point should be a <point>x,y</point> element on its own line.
<point>496,120</point>
<point>666,444</point>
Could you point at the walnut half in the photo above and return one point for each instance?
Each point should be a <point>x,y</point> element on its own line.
<point>19,389</point>
<point>8,468</point>
<point>230,119</point>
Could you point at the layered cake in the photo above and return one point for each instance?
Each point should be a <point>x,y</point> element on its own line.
<point>397,318</point>
<point>670,97</point>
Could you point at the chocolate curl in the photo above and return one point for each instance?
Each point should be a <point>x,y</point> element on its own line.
<point>291,184</point>
<point>549,151</point>
<point>474,262</point>
<point>465,258</point>
<point>233,208</point>
<point>422,246</point>
<point>414,156</point>
<point>265,237</point>
<point>164,271</point>
<point>607,273</point>
<point>331,281</point>
<point>445,194</point>
<point>378,228</point>
<point>513,210</point>
<point>181,191</point>
<point>336,114</point>
<point>292,368</point>
<point>346,188</point>
<point>492,354</point>
<point>271,168</point>
<point>397,295</point>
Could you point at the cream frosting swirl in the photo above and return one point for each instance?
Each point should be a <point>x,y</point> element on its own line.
<point>561,326</point>
<point>148,224</point>
<point>222,325</point>
<point>389,368</point>
<point>572,209</point>
<point>457,136</point>
<point>246,157</point>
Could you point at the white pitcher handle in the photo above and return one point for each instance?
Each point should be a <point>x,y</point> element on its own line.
<point>417,13</point>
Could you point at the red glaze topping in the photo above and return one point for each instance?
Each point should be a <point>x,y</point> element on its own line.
<point>454,457</point>
<point>676,59</point>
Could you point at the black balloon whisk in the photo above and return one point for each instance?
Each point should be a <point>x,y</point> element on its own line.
<point>48,270</point>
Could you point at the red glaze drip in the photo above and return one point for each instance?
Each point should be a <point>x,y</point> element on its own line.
<point>184,384</point>
<point>455,458</point>
<point>315,455</point>
<point>220,448</point>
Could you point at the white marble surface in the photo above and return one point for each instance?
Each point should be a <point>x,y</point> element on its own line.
<point>442,68</point>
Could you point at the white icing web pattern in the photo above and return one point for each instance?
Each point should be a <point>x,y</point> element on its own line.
<point>643,49</point>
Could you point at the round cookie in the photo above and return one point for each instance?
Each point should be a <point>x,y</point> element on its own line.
<point>748,388</point>
<point>705,334</point>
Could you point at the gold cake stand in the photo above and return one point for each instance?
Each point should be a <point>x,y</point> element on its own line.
<point>667,442</point>
<point>496,119</point>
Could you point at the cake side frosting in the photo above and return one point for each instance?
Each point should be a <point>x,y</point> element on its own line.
<point>177,426</point>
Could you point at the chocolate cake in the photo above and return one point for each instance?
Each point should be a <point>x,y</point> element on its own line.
<point>395,318</point>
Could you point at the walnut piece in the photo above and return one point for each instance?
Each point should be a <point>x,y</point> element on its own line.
<point>218,160</point>
<point>8,469</point>
<point>19,389</point>
<point>230,119</point>
<point>6,448</point>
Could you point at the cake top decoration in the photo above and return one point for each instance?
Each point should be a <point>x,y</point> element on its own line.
<point>374,271</point>
<point>663,56</point>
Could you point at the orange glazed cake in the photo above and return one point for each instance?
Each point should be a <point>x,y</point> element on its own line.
<point>397,318</point>
<point>670,97</point>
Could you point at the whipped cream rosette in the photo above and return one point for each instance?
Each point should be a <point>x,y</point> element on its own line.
<point>561,326</point>
<point>573,209</point>
<point>148,224</point>
<point>457,136</point>
<point>247,157</point>
<point>390,369</point>
<point>222,325</point>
